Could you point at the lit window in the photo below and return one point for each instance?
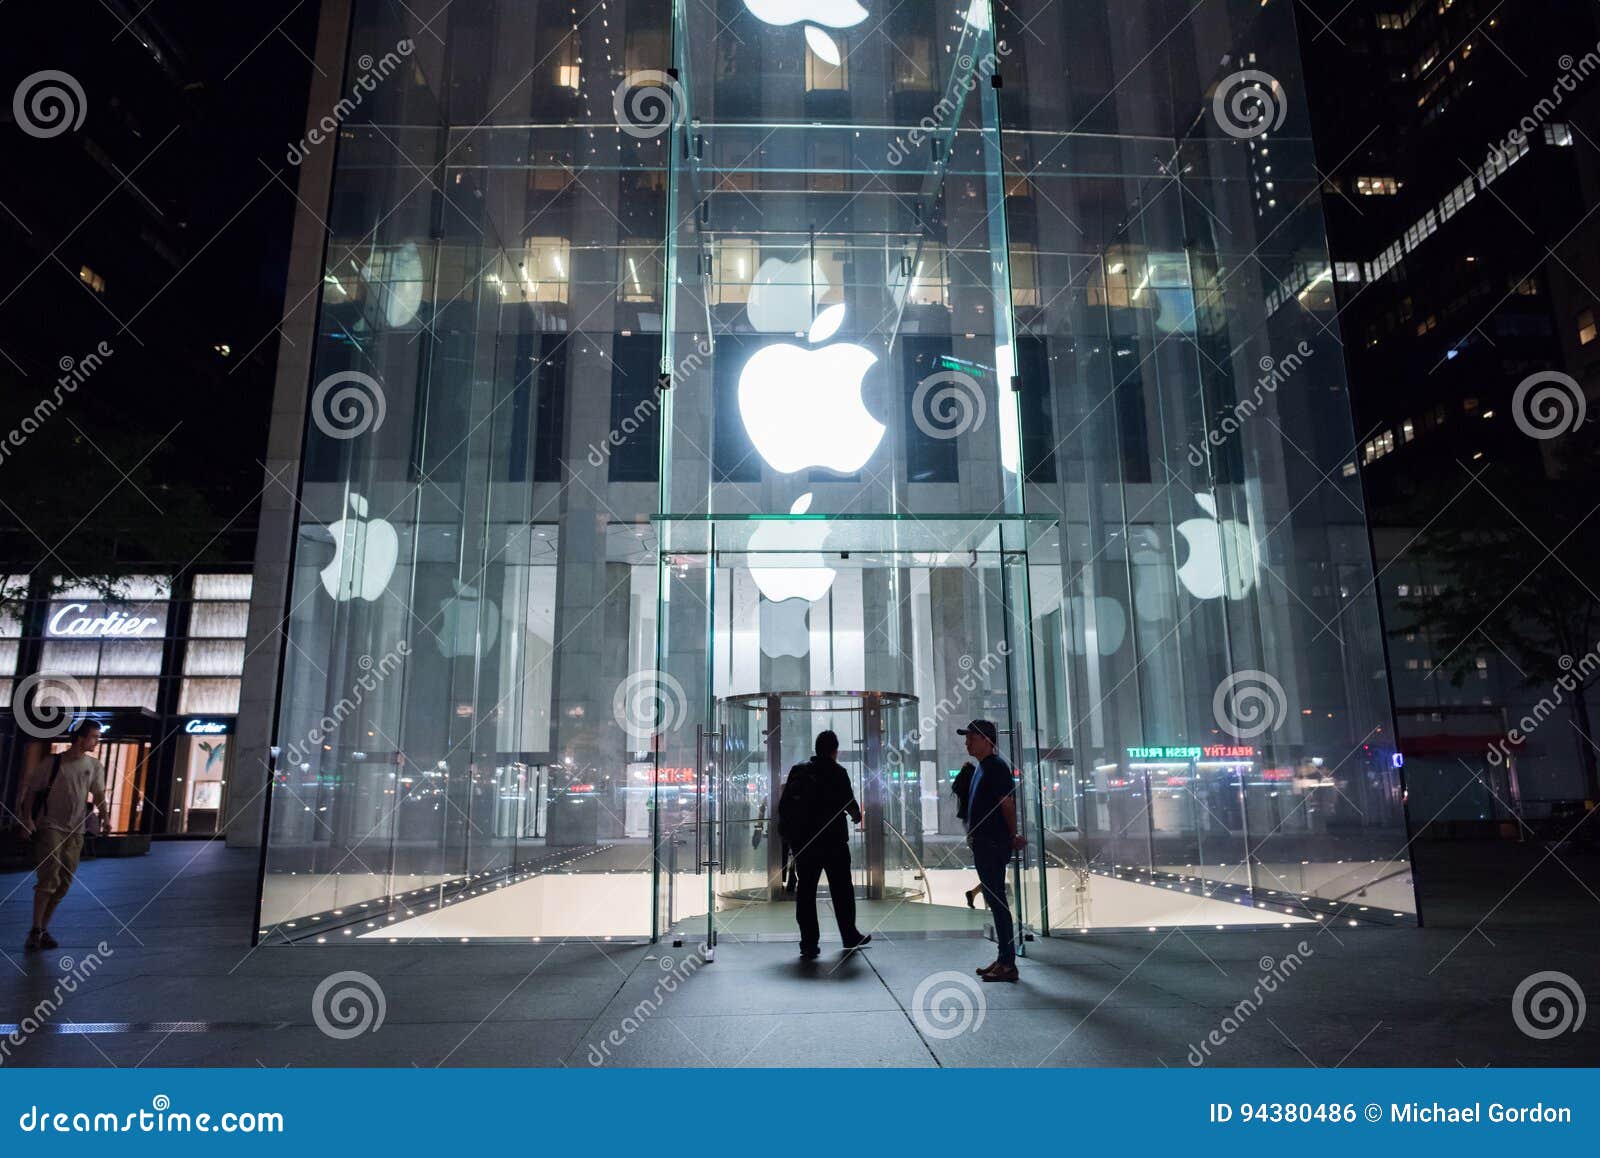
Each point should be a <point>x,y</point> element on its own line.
<point>1558,135</point>
<point>1586,327</point>
<point>567,76</point>
<point>1377,186</point>
<point>91,279</point>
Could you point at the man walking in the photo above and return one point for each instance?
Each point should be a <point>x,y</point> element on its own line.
<point>811,815</point>
<point>993,833</point>
<point>54,806</point>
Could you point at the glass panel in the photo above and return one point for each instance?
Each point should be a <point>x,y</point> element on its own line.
<point>671,703</point>
<point>468,593</point>
<point>839,329</point>
<point>208,586</point>
<point>219,620</point>
<point>1214,726</point>
<point>212,697</point>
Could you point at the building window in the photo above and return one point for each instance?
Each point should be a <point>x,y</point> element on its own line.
<point>213,658</point>
<point>111,648</point>
<point>1558,135</point>
<point>1377,186</point>
<point>91,279</point>
<point>1024,275</point>
<point>1586,327</point>
<point>13,593</point>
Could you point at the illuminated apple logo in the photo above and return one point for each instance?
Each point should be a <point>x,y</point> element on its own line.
<point>789,575</point>
<point>394,287</point>
<point>374,546</point>
<point>802,407</point>
<point>1105,633</point>
<point>458,619</point>
<point>828,13</point>
<point>785,629</point>
<point>782,293</point>
<point>1222,555</point>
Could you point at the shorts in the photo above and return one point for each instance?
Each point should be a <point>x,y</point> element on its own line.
<point>56,854</point>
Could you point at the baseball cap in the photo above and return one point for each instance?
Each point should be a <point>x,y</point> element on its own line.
<point>984,728</point>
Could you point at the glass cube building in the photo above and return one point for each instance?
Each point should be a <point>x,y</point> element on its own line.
<point>690,376</point>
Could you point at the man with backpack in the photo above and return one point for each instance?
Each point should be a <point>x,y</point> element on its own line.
<point>811,816</point>
<point>55,805</point>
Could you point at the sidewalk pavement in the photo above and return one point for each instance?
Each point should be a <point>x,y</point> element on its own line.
<point>181,986</point>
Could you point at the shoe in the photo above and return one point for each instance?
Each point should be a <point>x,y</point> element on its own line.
<point>809,954</point>
<point>852,946</point>
<point>972,895</point>
<point>985,970</point>
<point>1001,973</point>
<point>32,944</point>
<point>46,941</point>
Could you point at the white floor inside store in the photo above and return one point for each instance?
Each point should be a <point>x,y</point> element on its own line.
<point>600,905</point>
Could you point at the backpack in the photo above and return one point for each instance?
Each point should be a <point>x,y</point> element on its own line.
<point>798,806</point>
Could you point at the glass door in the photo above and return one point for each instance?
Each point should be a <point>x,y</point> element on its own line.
<point>668,713</point>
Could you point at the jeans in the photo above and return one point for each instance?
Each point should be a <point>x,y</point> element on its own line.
<point>810,865</point>
<point>994,862</point>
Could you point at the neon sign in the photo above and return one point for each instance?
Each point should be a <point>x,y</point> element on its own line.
<point>110,624</point>
<point>207,727</point>
<point>1165,752</point>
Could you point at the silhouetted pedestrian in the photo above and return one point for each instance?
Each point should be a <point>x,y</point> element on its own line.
<point>816,799</point>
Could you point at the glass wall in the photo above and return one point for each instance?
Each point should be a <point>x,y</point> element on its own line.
<point>670,353</point>
<point>1212,660</point>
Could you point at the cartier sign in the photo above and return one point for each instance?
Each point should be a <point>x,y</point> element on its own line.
<point>102,621</point>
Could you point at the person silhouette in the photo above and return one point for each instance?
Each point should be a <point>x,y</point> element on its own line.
<point>811,819</point>
<point>994,834</point>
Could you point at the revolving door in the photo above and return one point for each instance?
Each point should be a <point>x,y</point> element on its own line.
<point>764,734</point>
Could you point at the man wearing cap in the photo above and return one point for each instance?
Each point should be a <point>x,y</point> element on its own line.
<point>993,833</point>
